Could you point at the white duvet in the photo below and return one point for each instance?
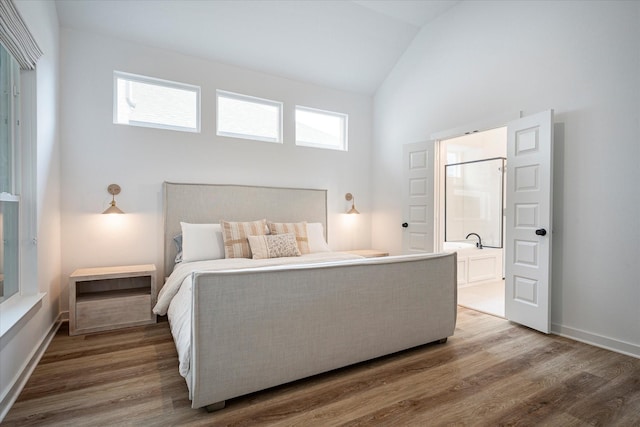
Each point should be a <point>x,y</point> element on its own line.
<point>174,298</point>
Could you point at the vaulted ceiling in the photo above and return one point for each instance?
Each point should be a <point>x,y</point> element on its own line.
<point>344,44</point>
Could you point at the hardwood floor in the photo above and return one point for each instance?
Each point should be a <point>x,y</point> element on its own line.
<point>491,372</point>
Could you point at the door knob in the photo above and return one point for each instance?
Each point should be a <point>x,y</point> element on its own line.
<point>541,232</point>
<point>405,225</point>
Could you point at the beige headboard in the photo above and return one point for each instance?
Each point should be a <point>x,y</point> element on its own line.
<point>210,203</point>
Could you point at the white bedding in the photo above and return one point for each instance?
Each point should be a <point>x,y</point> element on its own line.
<point>174,298</point>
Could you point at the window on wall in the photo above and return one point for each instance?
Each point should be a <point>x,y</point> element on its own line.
<point>10,176</point>
<point>248,117</point>
<point>321,129</point>
<point>150,102</point>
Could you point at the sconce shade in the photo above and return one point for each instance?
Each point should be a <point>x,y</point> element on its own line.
<point>113,209</point>
<point>349,197</point>
<point>113,189</point>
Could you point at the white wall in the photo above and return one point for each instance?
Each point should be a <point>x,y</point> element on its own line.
<point>582,59</point>
<point>19,344</point>
<point>96,153</point>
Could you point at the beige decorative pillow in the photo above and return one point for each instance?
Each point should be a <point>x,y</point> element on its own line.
<point>297,228</point>
<point>235,235</point>
<point>273,246</point>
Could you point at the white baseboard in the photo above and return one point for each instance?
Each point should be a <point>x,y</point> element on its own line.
<point>31,364</point>
<point>618,346</point>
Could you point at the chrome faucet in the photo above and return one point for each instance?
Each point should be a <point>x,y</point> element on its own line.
<point>479,244</point>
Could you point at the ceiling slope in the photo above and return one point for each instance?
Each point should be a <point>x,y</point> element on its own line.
<point>347,45</point>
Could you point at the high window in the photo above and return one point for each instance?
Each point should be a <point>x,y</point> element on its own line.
<point>321,129</point>
<point>150,102</point>
<point>248,117</point>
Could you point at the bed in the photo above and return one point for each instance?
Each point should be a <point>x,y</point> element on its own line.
<point>243,325</point>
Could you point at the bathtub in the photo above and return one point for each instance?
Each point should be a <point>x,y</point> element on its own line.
<point>475,265</point>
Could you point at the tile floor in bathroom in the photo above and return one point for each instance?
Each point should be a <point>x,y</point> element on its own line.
<point>487,297</point>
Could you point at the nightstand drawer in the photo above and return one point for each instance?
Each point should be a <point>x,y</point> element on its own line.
<point>113,311</point>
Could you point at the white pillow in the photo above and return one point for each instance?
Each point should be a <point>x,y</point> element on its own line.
<point>201,242</point>
<point>317,243</point>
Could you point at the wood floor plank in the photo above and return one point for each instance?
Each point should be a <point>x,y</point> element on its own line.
<point>491,372</point>
<point>459,392</point>
<point>609,403</point>
<point>434,377</point>
<point>346,390</point>
<point>100,369</point>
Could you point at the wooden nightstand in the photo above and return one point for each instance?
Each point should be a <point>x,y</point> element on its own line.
<point>101,299</point>
<point>368,253</point>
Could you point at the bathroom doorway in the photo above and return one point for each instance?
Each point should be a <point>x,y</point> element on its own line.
<point>470,195</point>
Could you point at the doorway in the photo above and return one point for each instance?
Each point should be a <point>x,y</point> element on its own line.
<point>470,187</point>
<point>527,212</point>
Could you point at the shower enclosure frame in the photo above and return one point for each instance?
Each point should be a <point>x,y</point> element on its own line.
<point>502,199</point>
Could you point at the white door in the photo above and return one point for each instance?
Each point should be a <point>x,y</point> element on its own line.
<point>528,229</point>
<point>417,197</point>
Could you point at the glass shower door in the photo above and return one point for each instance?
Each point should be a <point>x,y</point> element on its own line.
<point>474,201</point>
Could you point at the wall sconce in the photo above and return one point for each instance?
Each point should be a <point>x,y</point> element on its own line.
<point>349,197</point>
<point>113,189</point>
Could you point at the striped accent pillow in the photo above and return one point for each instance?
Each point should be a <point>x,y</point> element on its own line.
<point>297,228</point>
<point>234,235</point>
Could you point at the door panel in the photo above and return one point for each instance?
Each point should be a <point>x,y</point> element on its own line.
<point>417,197</point>
<point>529,196</point>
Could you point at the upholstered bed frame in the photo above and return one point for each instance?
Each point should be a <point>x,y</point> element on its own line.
<point>258,328</point>
<point>210,203</point>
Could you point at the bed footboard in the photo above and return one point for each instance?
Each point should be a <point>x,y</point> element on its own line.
<point>255,329</point>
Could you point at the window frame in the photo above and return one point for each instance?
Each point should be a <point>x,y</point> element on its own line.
<point>24,174</point>
<point>345,130</point>
<point>15,307</point>
<point>158,82</point>
<point>18,169</point>
<point>255,100</point>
